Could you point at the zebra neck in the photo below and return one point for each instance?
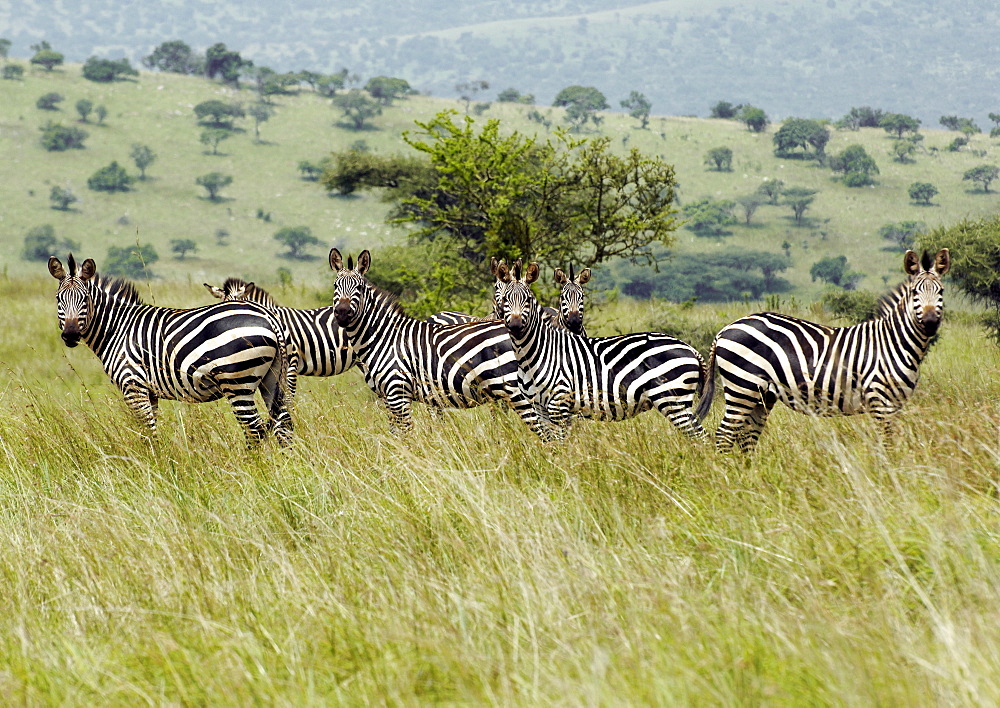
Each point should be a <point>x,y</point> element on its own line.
<point>381,316</point>
<point>535,330</point>
<point>108,316</point>
<point>910,341</point>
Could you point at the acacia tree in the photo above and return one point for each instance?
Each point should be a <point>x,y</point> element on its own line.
<point>143,156</point>
<point>174,56</point>
<point>358,107</point>
<point>581,104</point>
<point>181,246</point>
<point>856,165</point>
<point>923,192</point>
<point>801,133</point>
<point>61,198</point>
<point>721,158</point>
<point>638,107</point>
<point>297,239</point>
<point>213,183</point>
<point>899,123</point>
<point>755,119</point>
<point>45,56</point>
<point>982,175</point>
<point>799,199</point>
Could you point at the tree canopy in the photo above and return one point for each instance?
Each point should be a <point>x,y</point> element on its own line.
<point>107,70</point>
<point>176,57</point>
<point>801,133</point>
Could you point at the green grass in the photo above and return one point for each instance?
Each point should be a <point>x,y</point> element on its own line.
<point>471,564</point>
<point>157,110</point>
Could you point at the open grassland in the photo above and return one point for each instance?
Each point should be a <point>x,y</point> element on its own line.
<point>471,564</point>
<point>157,110</point>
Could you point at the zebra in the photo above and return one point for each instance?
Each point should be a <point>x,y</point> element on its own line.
<point>226,350</point>
<point>870,367</point>
<point>404,359</point>
<point>604,378</point>
<point>571,299</point>
<point>317,344</point>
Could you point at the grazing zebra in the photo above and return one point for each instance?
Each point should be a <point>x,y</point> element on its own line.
<point>605,378</point>
<point>871,367</point>
<point>226,350</point>
<point>317,344</point>
<point>404,359</point>
<point>571,299</point>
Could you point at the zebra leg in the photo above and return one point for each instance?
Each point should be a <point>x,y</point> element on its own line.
<point>400,408</point>
<point>681,415</point>
<point>143,405</point>
<point>277,399</point>
<point>539,424</point>
<point>245,409</point>
<point>748,437</point>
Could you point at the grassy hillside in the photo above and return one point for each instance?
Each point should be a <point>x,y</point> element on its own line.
<point>156,110</point>
<point>470,564</point>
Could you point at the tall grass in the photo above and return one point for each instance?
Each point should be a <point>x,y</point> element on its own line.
<point>469,563</point>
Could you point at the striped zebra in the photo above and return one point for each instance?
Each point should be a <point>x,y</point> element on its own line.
<point>226,350</point>
<point>605,378</point>
<point>405,360</point>
<point>571,299</point>
<point>316,343</point>
<point>871,367</point>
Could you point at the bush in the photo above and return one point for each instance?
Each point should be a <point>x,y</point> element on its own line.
<point>56,137</point>
<point>852,305</point>
<point>130,262</point>
<point>107,70</point>
<point>40,242</point>
<point>111,178</point>
<point>49,102</point>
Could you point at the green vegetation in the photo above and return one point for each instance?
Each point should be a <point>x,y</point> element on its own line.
<point>110,178</point>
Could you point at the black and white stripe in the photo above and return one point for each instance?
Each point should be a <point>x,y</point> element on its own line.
<point>871,367</point>
<point>406,360</point>
<point>225,350</point>
<point>605,378</point>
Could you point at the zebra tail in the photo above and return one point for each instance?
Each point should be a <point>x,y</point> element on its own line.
<point>707,388</point>
<point>281,369</point>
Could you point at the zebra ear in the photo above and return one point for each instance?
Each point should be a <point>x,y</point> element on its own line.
<point>531,273</point>
<point>240,292</point>
<point>584,276</point>
<point>56,269</point>
<point>560,277</point>
<point>364,262</point>
<point>88,270</point>
<point>494,264</point>
<point>942,261</point>
<point>216,291</point>
<point>503,272</point>
<point>336,260</point>
<point>911,263</point>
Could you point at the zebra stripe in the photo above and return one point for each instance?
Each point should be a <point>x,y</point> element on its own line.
<point>225,350</point>
<point>871,367</point>
<point>605,378</point>
<point>406,360</point>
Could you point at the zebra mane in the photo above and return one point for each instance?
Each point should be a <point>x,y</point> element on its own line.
<point>253,291</point>
<point>391,301</point>
<point>890,301</point>
<point>118,289</point>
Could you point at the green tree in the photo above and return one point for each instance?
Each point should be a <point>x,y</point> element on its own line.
<point>638,107</point>
<point>329,84</point>
<point>218,114</point>
<point>49,101</point>
<point>385,89</point>
<point>358,107</point>
<point>84,107</point>
<point>107,70</point>
<point>214,182</point>
<point>111,178</point>
<point>835,270</point>
<point>5,45</point>
<point>772,189</point>
<point>903,234</point>
<point>13,72</point>
<point>311,171</point>
<point>348,171</point>
<point>799,199</point>
<point>902,151</point>
<point>176,57</point>
<point>581,104</point>
<point>101,112</point>
<point>801,133</point>
<point>226,64</point>
<point>512,95</point>
<point>56,137</point>
<point>182,246</point>
<point>468,90</point>
<point>755,119</point>
<point>898,124</point>
<point>39,243</point>
<point>720,158</point>
<point>923,192</point>
<point>856,165</point>
<point>61,198</point>
<point>863,117</point>
<point>143,156</point>
<point>296,239</point>
<point>982,175</point>
<point>45,56</point>
<point>211,137</point>
<point>130,261</point>
<point>750,204</point>
<point>724,110</point>
<point>709,217</point>
<point>261,113</point>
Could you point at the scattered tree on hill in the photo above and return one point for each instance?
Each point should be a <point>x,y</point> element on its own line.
<point>898,123</point>
<point>799,199</point>
<point>856,165</point>
<point>995,131</point>
<point>963,125</point>
<point>329,84</point>
<point>755,119</point>
<point>721,158</point>
<point>772,189</point>
<point>385,89</point>
<point>225,64</point>
<point>750,204</point>
<point>56,137</point>
<point>581,104</point>
<point>107,70</point>
<point>724,110</point>
<point>5,45</point>
<point>218,114</point>
<point>512,95</point>
<point>211,137</point>
<point>923,192</point>
<point>130,261</point>
<point>221,236</point>
<point>111,178</point>
<point>835,270</point>
<point>638,107</point>
<point>468,90</point>
<point>711,277</point>
<point>296,239</point>
<point>84,107</point>
<point>49,101</point>
<point>213,183</point>
<point>101,112</point>
<point>45,56</point>
<point>863,117</point>
<point>311,171</point>
<point>143,156</point>
<point>61,198</point>
<point>902,150</point>
<point>358,107</point>
<point>709,217</point>
<point>348,171</point>
<point>903,234</point>
<point>182,246</point>
<point>13,72</point>
<point>40,242</point>
<point>261,113</point>
<point>982,175</point>
<point>176,57</point>
<point>801,133</point>
<point>957,144</point>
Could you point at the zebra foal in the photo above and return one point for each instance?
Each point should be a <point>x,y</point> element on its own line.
<point>871,367</point>
<point>605,378</point>
<point>226,350</point>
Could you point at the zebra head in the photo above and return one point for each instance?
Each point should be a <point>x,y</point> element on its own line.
<point>350,291</point>
<point>499,286</point>
<point>72,297</point>
<point>518,308</point>
<point>924,294</point>
<point>237,290</point>
<point>571,298</point>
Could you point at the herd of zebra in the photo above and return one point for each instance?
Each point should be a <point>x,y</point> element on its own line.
<point>537,360</point>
